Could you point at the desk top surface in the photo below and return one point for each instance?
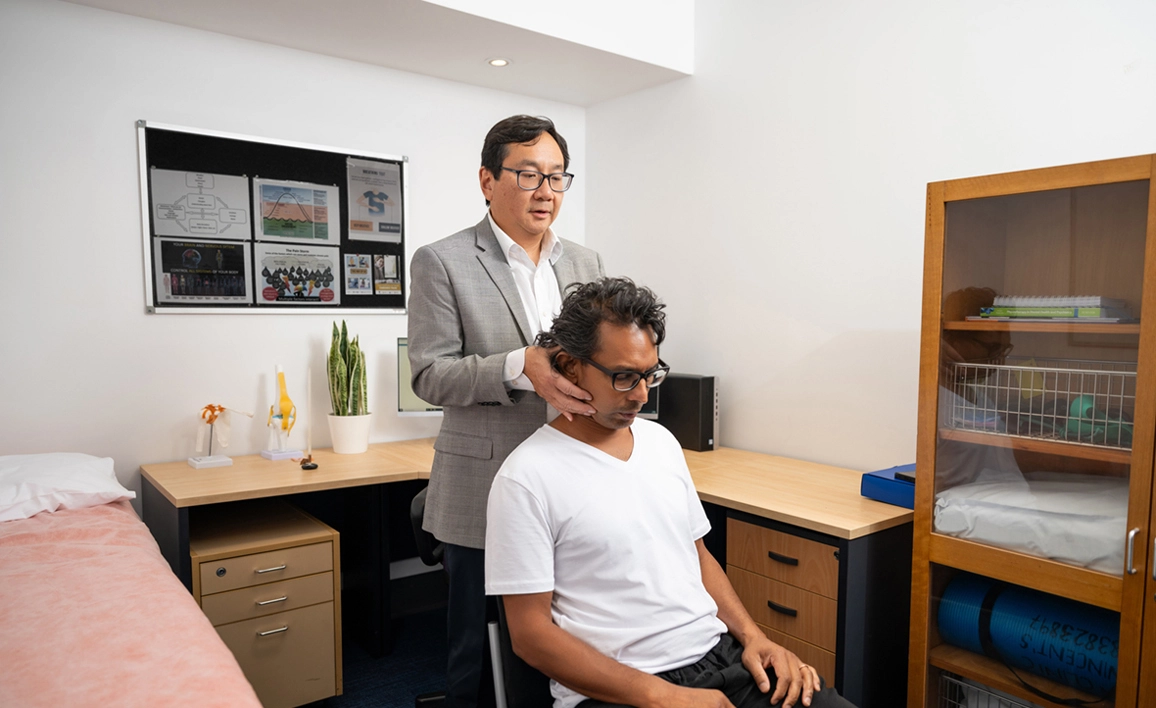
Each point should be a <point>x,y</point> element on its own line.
<point>817,497</point>
<point>254,477</point>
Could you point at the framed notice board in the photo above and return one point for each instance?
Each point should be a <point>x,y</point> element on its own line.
<point>233,224</point>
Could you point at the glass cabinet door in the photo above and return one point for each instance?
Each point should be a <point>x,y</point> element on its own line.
<point>1035,492</point>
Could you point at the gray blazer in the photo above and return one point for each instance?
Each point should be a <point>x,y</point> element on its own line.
<point>465,315</point>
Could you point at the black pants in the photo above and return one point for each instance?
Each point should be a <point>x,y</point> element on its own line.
<point>469,678</point>
<point>722,668</point>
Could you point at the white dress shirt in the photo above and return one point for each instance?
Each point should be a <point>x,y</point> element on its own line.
<point>538,289</point>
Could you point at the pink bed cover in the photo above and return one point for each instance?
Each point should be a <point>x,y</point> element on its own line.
<point>91,615</point>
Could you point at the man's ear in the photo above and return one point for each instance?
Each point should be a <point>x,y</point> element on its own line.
<point>486,181</point>
<point>567,366</point>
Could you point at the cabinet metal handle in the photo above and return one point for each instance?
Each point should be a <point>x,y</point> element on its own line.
<point>283,598</point>
<point>785,560</point>
<point>273,631</point>
<point>782,610</point>
<point>270,570</point>
<point>1132,551</point>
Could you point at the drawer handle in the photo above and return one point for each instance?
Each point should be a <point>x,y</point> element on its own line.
<point>270,570</point>
<point>273,631</point>
<point>283,598</point>
<point>782,610</point>
<point>785,560</point>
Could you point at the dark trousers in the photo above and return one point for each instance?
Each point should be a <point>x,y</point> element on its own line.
<point>722,668</point>
<point>469,678</point>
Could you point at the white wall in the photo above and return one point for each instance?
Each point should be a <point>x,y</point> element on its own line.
<point>659,32</point>
<point>82,367</point>
<point>776,198</point>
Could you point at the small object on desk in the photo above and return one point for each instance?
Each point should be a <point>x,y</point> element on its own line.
<point>890,487</point>
<point>217,418</point>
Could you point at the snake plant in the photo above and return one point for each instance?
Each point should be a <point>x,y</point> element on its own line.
<point>346,368</point>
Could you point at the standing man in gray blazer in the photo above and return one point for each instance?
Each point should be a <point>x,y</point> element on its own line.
<point>478,299</point>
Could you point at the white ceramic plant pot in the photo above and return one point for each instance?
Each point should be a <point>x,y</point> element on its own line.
<point>350,433</point>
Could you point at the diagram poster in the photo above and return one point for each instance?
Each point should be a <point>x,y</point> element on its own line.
<point>199,204</point>
<point>202,272</point>
<point>358,280</point>
<point>385,278</point>
<point>374,200</point>
<point>298,275</point>
<point>296,211</point>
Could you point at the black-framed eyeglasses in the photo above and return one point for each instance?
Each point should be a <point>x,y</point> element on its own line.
<point>530,180</point>
<point>627,380</point>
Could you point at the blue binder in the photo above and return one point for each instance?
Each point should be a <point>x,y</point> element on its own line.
<point>885,487</point>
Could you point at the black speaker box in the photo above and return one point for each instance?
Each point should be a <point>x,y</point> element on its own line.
<point>689,410</point>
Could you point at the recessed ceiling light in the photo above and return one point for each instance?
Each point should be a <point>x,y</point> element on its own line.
<point>498,61</point>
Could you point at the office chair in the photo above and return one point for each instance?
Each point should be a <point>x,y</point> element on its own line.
<point>430,550</point>
<point>516,683</point>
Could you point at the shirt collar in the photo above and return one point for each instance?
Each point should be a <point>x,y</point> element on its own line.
<point>551,246</point>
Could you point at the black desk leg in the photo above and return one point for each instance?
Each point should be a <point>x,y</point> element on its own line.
<point>170,527</point>
<point>365,568</point>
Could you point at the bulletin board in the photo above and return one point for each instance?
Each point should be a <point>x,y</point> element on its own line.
<point>236,224</point>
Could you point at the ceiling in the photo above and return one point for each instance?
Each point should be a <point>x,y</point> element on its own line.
<point>418,37</point>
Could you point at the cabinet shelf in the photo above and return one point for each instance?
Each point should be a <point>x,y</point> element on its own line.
<point>1080,584</point>
<point>995,675</point>
<point>1048,447</point>
<point>1002,326</point>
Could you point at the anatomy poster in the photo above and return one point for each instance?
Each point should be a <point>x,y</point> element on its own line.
<point>296,211</point>
<point>297,275</point>
<point>202,272</point>
<point>199,204</point>
<point>374,200</point>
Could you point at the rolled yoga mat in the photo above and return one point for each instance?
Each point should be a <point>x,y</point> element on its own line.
<point>1062,640</point>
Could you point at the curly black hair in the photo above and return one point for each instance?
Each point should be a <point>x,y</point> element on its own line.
<point>615,300</point>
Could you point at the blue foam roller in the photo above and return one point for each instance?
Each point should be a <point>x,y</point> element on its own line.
<point>1062,640</point>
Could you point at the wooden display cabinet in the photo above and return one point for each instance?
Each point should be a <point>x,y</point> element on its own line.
<point>1000,398</point>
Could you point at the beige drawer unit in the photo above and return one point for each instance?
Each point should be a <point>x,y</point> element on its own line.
<point>267,575</point>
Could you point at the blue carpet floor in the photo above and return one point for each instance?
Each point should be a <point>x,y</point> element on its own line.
<point>417,665</point>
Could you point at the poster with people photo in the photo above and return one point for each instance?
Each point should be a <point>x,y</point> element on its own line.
<point>296,275</point>
<point>201,272</point>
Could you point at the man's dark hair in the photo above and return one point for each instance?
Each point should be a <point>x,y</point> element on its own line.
<point>517,129</point>
<point>615,300</point>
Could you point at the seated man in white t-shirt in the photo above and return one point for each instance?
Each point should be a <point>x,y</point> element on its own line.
<point>594,540</point>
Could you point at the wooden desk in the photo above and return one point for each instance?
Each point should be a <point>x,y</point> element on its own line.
<point>841,564</point>
<point>169,491</point>
<point>808,495</point>
<point>742,490</point>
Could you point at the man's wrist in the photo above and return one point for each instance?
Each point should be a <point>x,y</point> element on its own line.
<point>748,634</point>
<point>514,367</point>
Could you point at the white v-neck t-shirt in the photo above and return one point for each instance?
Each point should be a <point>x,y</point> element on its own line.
<point>613,539</point>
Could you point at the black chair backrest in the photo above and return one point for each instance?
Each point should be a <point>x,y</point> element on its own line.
<point>428,547</point>
<point>526,687</point>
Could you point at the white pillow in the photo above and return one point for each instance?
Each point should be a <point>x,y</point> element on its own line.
<point>30,484</point>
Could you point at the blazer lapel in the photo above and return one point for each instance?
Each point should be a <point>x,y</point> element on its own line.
<point>566,273</point>
<point>491,257</point>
